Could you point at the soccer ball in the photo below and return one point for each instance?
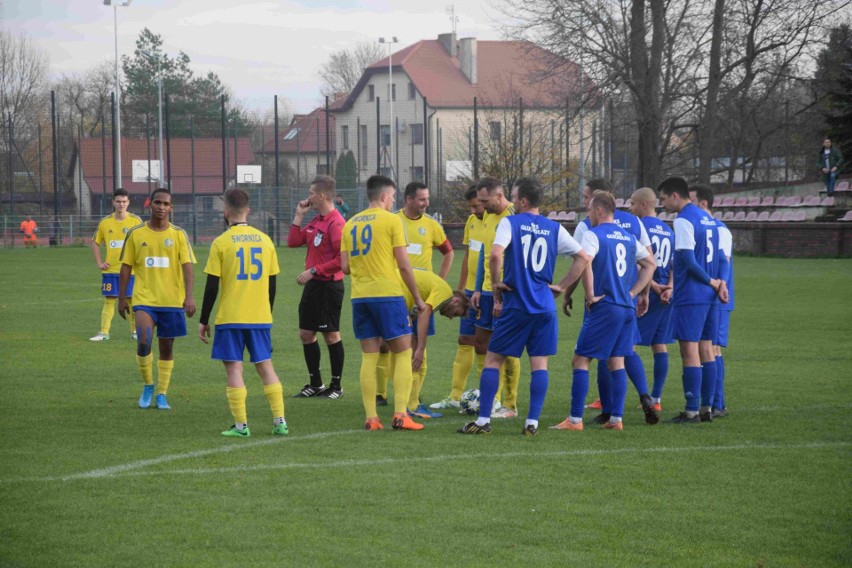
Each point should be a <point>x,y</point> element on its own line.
<point>469,402</point>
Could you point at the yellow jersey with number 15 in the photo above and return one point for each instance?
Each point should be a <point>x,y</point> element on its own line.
<point>243,258</point>
<point>370,237</point>
<point>156,258</point>
<point>111,232</point>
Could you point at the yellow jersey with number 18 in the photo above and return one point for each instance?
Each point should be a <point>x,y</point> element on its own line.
<point>370,237</point>
<point>243,258</point>
<point>111,232</point>
<point>157,259</point>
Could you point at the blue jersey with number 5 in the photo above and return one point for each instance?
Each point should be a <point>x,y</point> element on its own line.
<point>695,231</point>
<point>531,243</point>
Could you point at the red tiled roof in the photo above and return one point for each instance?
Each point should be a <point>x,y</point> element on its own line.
<point>302,134</point>
<point>506,70</point>
<point>208,163</point>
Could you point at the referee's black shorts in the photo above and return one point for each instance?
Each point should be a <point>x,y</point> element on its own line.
<point>319,309</point>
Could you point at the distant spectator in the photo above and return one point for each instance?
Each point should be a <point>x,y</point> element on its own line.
<point>55,232</point>
<point>830,160</point>
<point>341,207</point>
<point>29,228</point>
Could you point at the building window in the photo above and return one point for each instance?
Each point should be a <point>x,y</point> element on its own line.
<point>417,134</point>
<point>371,93</point>
<point>416,173</point>
<point>345,135</point>
<point>322,169</point>
<point>412,92</point>
<point>364,144</point>
<point>386,135</point>
<point>495,130</point>
<point>393,91</point>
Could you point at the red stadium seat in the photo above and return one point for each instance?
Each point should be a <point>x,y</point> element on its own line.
<point>781,202</point>
<point>717,214</point>
<point>843,186</point>
<point>754,201</point>
<point>552,215</point>
<point>795,201</point>
<point>788,216</point>
<point>764,216</point>
<point>740,216</point>
<point>728,216</point>
<point>776,216</point>
<point>767,201</point>
<point>752,216</point>
<point>827,202</point>
<point>847,217</point>
<point>811,201</point>
<point>572,216</point>
<point>727,202</point>
<point>741,202</point>
<point>619,203</point>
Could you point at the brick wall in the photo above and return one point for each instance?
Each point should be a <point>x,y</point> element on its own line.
<point>793,240</point>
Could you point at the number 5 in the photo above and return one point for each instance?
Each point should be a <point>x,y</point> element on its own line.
<point>709,246</point>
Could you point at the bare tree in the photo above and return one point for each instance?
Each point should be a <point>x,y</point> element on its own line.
<point>343,68</point>
<point>23,78</point>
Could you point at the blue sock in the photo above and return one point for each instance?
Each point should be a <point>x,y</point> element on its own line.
<point>619,392</point>
<point>579,390</point>
<point>604,387</point>
<point>636,373</point>
<point>691,387</point>
<point>538,390</point>
<point>719,399</point>
<point>661,371</point>
<point>708,383</point>
<point>488,383</point>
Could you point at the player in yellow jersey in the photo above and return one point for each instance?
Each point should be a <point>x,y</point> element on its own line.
<point>474,235</point>
<point>424,234</point>
<point>160,256</point>
<point>373,248</point>
<point>243,263</point>
<point>493,198</point>
<point>110,233</point>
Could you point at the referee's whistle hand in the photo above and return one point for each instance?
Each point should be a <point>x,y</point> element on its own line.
<point>203,332</point>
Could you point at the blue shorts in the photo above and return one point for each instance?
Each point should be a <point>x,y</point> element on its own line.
<point>516,329</point>
<point>170,322</point>
<point>109,285</point>
<point>655,327</point>
<point>430,331</point>
<point>723,322</point>
<point>387,319</point>
<point>229,344</point>
<point>484,316</point>
<point>467,325</point>
<point>608,331</point>
<point>694,322</point>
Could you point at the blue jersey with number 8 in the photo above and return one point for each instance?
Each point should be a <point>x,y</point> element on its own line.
<point>615,253</point>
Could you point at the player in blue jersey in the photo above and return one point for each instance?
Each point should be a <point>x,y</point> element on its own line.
<point>697,288</point>
<point>524,252</point>
<point>655,326</point>
<point>636,374</point>
<point>609,323</point>
<point>702,196</point>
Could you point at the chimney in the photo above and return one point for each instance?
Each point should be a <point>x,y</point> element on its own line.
<point>467,58</point>
<point>448,41</point>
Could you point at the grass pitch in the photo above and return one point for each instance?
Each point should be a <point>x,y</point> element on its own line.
<point>88,479</point>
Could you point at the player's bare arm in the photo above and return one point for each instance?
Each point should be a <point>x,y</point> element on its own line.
<point>123,281</point>
<point>96,249</point>
<point>188,282</point>
<point>407,273</point>
<point>646,272</point>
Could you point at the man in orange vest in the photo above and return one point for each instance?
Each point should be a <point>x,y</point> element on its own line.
<point>29,228</point>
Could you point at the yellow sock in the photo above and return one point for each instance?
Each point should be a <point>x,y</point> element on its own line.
<point>369,362</point>
<point>402,380</point>
<point>417,384</point>
<point>462,365</point>
<point>106,315</point>
<point>499,396</point>
<point>146,368</point>
<point>480,364</point>
<point>164,375</point>
<point>237,402</point>
<point>513,377</point>
<point>131,316</point>
<point>382,374</point>
<point>275,396</point>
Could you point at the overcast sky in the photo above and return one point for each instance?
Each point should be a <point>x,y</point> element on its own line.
<point>259,48</point>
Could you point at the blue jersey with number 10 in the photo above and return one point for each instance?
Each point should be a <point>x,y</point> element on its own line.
<point>530,259</point>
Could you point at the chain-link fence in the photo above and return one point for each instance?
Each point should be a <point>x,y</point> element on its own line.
<point>61,160</point>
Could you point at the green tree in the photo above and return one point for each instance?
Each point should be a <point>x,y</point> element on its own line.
<point>189,95</point>
<point>833,85</point>
<point>346,171</point>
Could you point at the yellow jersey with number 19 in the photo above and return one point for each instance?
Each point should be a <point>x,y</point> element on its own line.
<point>111,232</point>
<point>243,258</point>
<point>156,258</point>
<point>370,237</point>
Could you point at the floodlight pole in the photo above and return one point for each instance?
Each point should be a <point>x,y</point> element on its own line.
<point>160,184</point>
<point>390,41</point>
<point>117,173</point>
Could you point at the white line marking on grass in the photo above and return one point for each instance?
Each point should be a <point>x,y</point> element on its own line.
<point>126,470</point>
<point>45,303</point>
